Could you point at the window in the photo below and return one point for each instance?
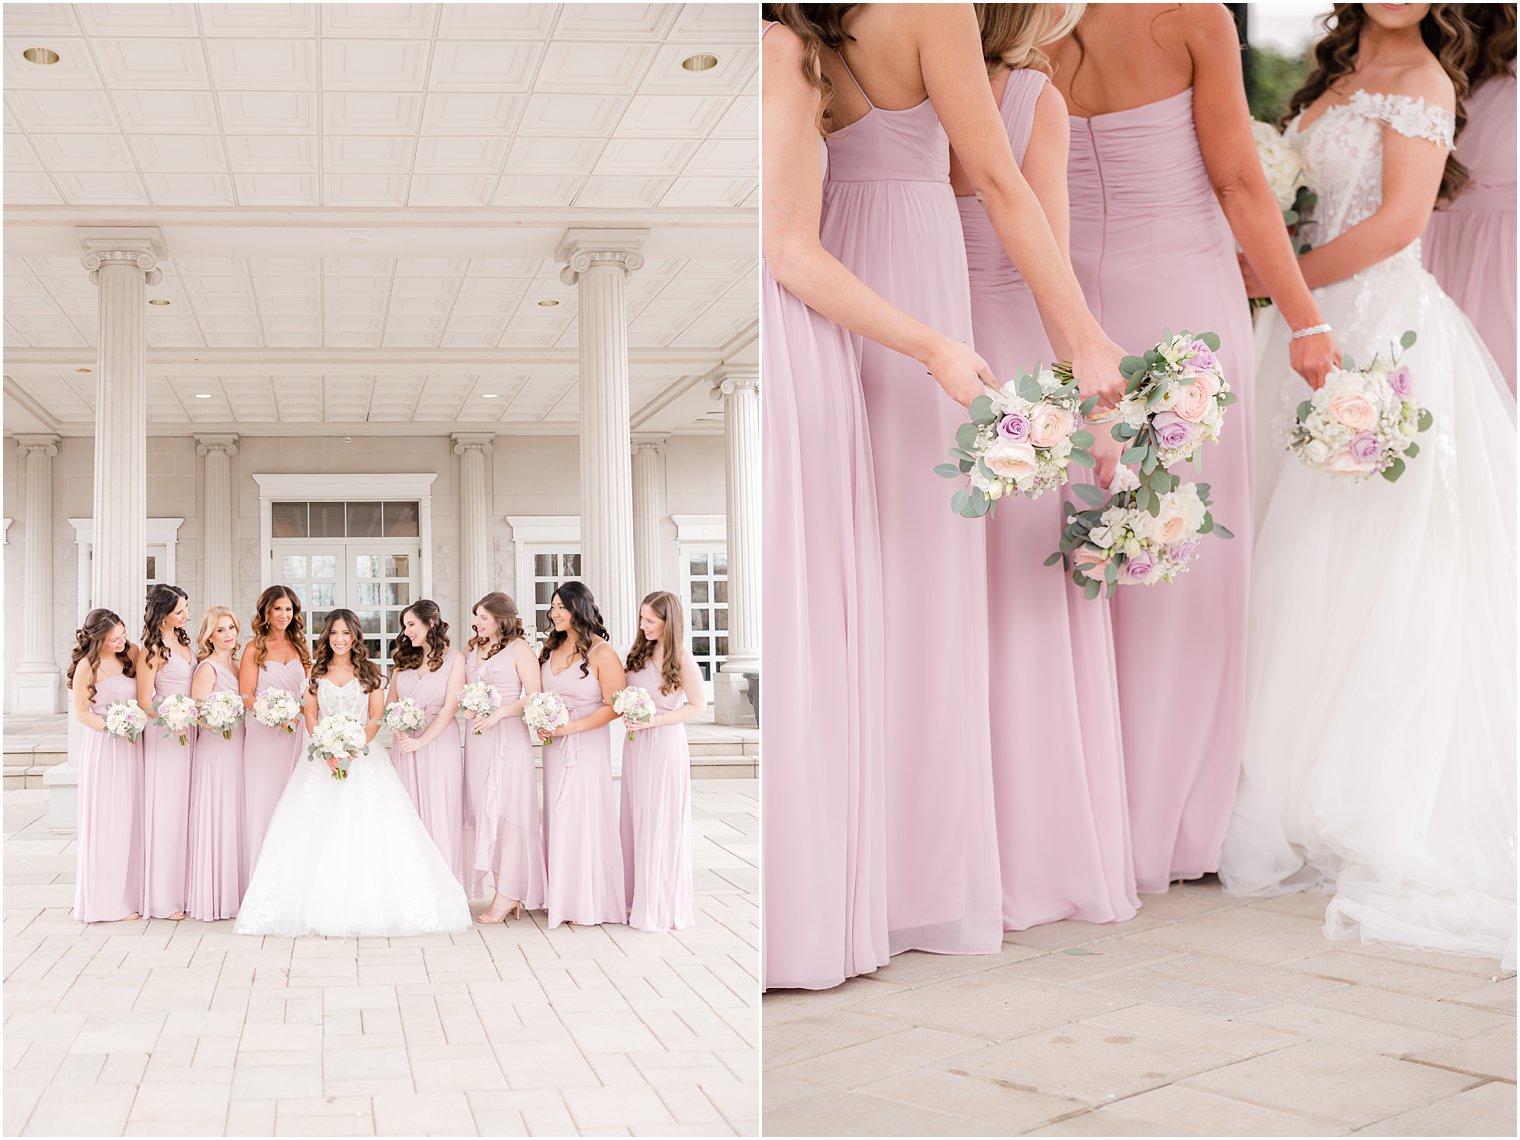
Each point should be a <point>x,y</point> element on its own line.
<point>548,553</point>
<point>377,580</point>
<point>550,568</point>
<point>703,545</point>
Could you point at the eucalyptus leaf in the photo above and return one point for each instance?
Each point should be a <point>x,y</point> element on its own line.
<point>1112,586</point>
<point>1154,398</point>
<point>1148,462</point>
<point>1029,388</point>
<point>1111,571</point>
<point>1053,559</point>
<point>1082,439</point>
<point>1087,405</point>
<point>1124,431</point>
<point>1304,409</point>
<point>1083,458</point>
<point>981,410</point>
<point>1408,339</point>
<point>959,500</point>
<point>1426,420</point>
<point>1092,590</point>
<point>1134,455</point>
<point>1203,491</point>
<point>1207,524</point>
<point>1412,450</point>
<point>1223,531</point>
<point>1143,497</point>
<point>1092,496</point>
<point>965,466</point>
<point>1211,339</point>
<point>1394,470</point>
<point>947,471</point>
<point>965,435</point>
<point>1153,506</point>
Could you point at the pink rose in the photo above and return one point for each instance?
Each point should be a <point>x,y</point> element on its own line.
<point>1345,463</point>
<point>1193,403</point>
<point>1049,424</point>
<point>1353,410</point>
<point>1091,559</point>
<point>1171,524</point>
<point>1014,461</point>
<point>1205,378</point>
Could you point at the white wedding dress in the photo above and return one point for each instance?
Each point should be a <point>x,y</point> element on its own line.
<point>350,857</point>
<point>1380,748</point>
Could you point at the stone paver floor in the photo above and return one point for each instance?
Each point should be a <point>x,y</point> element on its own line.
<point>1205,1015</point>
<point>163,1028</point>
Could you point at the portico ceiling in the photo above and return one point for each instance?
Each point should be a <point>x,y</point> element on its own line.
<point>361,206</point>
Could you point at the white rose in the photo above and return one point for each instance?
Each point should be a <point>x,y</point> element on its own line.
<point>1125,479</point>
<point>1316,452</point>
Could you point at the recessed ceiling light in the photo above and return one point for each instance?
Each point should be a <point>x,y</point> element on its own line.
<point>490,395</point>
<point>84,371</point>
<point>203,395</point>
<point>547,304</point>
<point>43,56</point>
<point>158,301</point>
<point>702,62</point>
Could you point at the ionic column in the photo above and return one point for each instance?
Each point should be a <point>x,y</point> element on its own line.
<point>739,389</point>
<point>216,579</point>
<point>36,677</point>
<point>597,262</point>
<point>648,514</point>
<point>474,519</point>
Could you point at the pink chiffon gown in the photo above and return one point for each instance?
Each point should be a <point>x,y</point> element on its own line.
<point>269,757</point>
<point>214,885</point>
<point>502,793</point>
<point>889,215</point>
<point>1469,244</point>
<point>585,853</point>
<point>433,776</point>
<point>166,800</point>
<point>108,881</point>
<point>1058,774</point>
<point>656,817</point>
<point>1152,251</point>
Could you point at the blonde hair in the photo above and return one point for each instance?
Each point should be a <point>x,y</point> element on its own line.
<point>209,621</point>
<point>1012,33</point>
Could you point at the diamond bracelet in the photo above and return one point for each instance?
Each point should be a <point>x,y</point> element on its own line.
<point>1312,330</point>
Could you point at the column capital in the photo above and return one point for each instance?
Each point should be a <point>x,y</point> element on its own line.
<point>225,444</point>
<point>583,249</point>
<point>142,247</point>
<point>727,381</point>
<point>37,445</point>
<point>650,441</point>
<point>473,441</point>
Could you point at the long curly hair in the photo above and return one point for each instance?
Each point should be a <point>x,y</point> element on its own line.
<point>209,620</point>
<point>585,623</point>
<point>818,26</point>
<point>405,655</point>
<point>501,607</point>
<point>666,607</point>
<point>162,600</point>
<point>1494,27</point>
<point>1445,31</point>
<point>296,631</point>
<point>1012,33</point>
<point>89,644</point>
<point>322,661</point>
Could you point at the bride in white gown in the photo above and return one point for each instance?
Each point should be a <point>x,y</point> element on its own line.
<point>1380,756</point>
<point>349,857</point>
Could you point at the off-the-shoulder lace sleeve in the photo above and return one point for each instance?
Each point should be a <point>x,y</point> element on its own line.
<point>1409,116</point>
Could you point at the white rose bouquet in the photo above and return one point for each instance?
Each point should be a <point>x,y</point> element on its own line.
<point>337,741</point>
<point>1284,168</point>
<point>221,712</point>
<point>1020,440</point>
<point>405,715</point>
<point>633,704</point>
<point>277,708</point>
<point>177,711</point>
<point>126,720</point>
<point>1363,421</point>
<point>480,699</point>
<point>544,712</point>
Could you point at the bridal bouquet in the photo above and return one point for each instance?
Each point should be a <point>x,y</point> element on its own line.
<point>177,711</point>
<point>1363,421</point>
<point>543,713</point>
<point>479,698</point>
<point>1174,402</point>
<point>1284,168</point>
<point>1019,441</point>
<point>222,711</point>
<point>337,737</point>
<point>277,708</point>
<point>633,704</point>
<point>405,715</point>
<point>1116,542</point>
<point>126,720</point>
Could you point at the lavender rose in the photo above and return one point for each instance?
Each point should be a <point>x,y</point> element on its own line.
<point>1203,355</point>
<point>1014,427</point>
<point>1138,569</point>
<point>1364,447</point>
<point>1172,431</point>
<point>1401,381</point>
<point>1182,550</point>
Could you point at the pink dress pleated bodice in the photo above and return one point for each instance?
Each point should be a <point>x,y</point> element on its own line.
<point>214,878</point>
<point>1152,251</point>
<point>269,757</point>
<point>108,882</point>
<point>1470,242</point>
<point>1058,777</point>
<point>434,775</point>
<point>889,215</point>
<point>585,853</point>
<point>166,799</point>
<point>502,792</point>
<point>656,817</point>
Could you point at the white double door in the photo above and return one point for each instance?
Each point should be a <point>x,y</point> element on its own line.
<point>376,578</point>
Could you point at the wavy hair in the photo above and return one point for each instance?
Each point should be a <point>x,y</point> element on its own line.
<point>818,26</point>
<point>89,643</point>
<point>501,607</point>
<point>1494,28</point>
<point>365,669</point>
<point>162,601</point>
<point>203,644</point>
<point>1012,33</point>
<point>296,631</point>
<point>585,623</point>
<point>405,655</point>
<point>666,607</point>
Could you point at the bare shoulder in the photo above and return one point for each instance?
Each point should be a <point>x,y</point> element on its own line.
<point>1424,79</point>
<point>1050,108</point>
<point>1209,27</point>
<point>781,47</point>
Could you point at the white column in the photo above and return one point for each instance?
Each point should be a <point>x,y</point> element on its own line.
<point>649,515</point>
<point>216,580</point>
<point>36,677</point>
<point>597,262</point>
<point>474,521</point>
<point>739,389</point>
<point>122,266</point>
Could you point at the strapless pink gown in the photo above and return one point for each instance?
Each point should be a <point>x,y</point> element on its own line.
<point>1058,773</point>
<point>656,817</point>
<point>1152,250</point>
<point>269,757</point>
<point>889,215</point>
<point>434,775</point>
<point>166,800</point>
<point>108,878</point>
<point>215,879</point>
<point>1470,243</point>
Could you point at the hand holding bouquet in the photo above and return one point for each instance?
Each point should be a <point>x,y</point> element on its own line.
<point>405,715</point>
<point>126,720</point>
<point>222,711</point>
<point>338,739</point>
<point>543,713</point>
<point>277,708</point>
<point>177,712</point>
<point>480,700</point>
<point>633,704</point>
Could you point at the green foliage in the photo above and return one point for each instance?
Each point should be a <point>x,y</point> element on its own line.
<point>1271,79</point>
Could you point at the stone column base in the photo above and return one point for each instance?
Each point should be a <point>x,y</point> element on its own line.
<point>34,690</point>
<point>62,783</point>
<point>735,697</point>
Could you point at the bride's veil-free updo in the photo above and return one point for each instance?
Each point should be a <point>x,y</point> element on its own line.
<point>365,669</point>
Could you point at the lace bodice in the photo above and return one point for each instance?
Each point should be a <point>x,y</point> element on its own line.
<point>350,699</point>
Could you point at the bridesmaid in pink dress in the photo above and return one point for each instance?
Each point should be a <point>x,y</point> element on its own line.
<point>656,819</point>
<point>1160,140</point>
<point>501,784</point>
<point>215,880</point>
<point>108,882</point>
<point>164,666</point>
<point>585,856</point>
<point>1058,776</point>
<point>278,657</point>
<point>431,763</point>
<point>1470,242</point>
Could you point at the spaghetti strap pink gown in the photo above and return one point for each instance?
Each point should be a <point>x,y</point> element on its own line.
<point>1058,777</point>
<point>1470,242</point>
<point>1152,250</point>
<point>656,818</point>
<point>508,842</point>
<point>108,880</point>
<point>215,880</point>
<point>585,852</point>
<point>166,800</point>
<point>269,757</point>
<point>434,775</point>
<point>889,215</point>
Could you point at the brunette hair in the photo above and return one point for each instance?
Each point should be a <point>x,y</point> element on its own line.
<point>1012,33</point>
<point>365,669</point>
<point>405,655</point>
<point>1494,28</point>
<point>1445,31</point>
<point>209,620</point>
<point>666,607</point>
<point>162,601</point>
<point>818,26</point>
<point>501,607</point>
<point>585,623</point>
<point>90,640</point>
<point>296,631</point>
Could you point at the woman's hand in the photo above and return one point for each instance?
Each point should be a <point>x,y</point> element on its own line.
<point>407,745</point>
<point>1096,368</point>
<point>959,371</point>
<point>332,765</point>
<point>638,726</point>
<point>1314,357</point>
